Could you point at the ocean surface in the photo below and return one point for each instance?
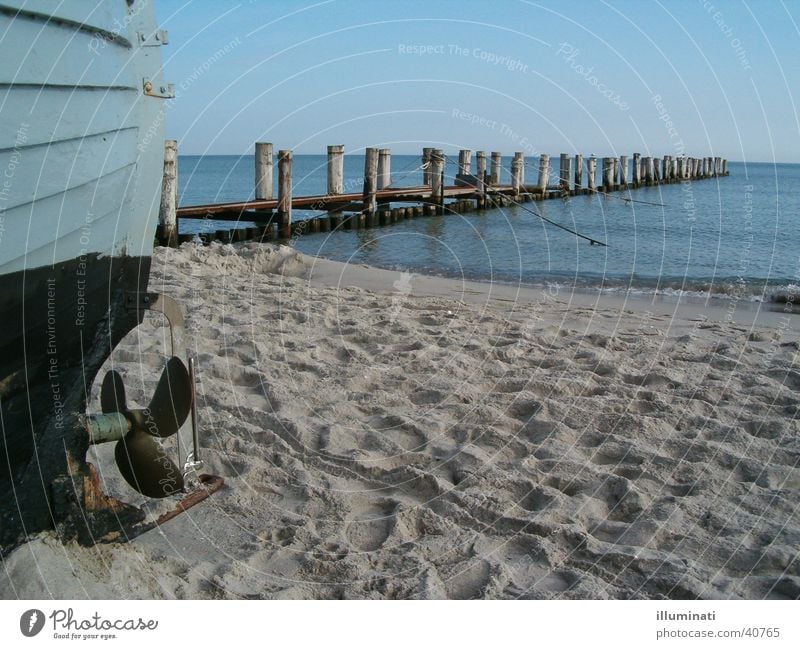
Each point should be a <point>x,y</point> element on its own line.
<point>737,235</point>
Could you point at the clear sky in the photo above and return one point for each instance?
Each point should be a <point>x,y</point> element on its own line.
<point>711,77</point>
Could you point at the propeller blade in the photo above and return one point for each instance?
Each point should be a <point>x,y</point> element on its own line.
<point>171,401</point>
<point>145,466</point>
<point>112,393</point>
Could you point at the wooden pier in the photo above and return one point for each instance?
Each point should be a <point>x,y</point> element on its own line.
<point>372,207</point>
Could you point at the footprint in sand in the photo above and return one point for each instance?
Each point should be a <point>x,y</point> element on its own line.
<point>370,526</point>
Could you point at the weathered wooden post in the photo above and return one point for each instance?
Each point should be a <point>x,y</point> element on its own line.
<point>263,171</point>
<point>335,169</point>
<point>426,165</point>
<point>464,162</point>
<point>717,166</point>
<point>284,212</point>
<point>656,170</point>
<point>544,174</point>
<point>480,173</point>
<point>623,172</point>
<point>615,172</point>
<point>578,172</point>
<point>704,168</point>
<point>384,168</point>
<point>370,180</point>
<point>437,180</point>
<point>608,174</point>
<point>591,173</point>
<point>565,172</point>
<point>518,172</point>
<point>679,170</point>
<point>724,166</point>
<point>167,217</point>
<point>637,169</point>
<point>665,169</point>
<point>647,162</point>
<point>497,166</point>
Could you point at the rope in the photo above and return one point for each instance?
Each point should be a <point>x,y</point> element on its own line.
<point>627,200</point>
<point>558,225</point>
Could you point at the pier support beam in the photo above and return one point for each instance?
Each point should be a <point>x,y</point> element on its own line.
<point>497,166</point>
<point>565,172</point>
<point>167,218</point>
<point>648,170</point>
<point>544,173</point>
<point>608,174</point>
<point>437,180</point>
<point>370,180</point>
<point>637,169</point>
<point>518,172</point>
<point>465,162</point>
<point>335,169</point>
<point>724,166</point>
<point>578,178</point>
<point>284,212</point>
<point>480,173</point>
<point>426,165</point>
<point>591,173</point>
<point>384,168</point>
<point>623,172</point>
<point>264,171</point>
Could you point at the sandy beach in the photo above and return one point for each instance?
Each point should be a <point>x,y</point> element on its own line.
<point>388,435</point>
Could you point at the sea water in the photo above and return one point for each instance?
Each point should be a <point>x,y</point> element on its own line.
<point>734,235</point>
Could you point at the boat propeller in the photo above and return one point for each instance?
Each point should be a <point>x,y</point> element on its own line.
<point>141,459</point>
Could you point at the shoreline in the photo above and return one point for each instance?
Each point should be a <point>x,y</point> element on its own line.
<point>396,436</point>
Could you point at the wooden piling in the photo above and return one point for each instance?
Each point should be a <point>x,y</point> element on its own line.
<point>608,174</point>
<point>656,170</point>
<point>518,172</point>
<point>717,166</point>
<point>647,163</point>
<point>437,180</point>
<point>565,172</point>
<point>591,173</point>
<point>724,166</point>
<point>465,162</point>
<point>426,165</point>
<point>578,177</point>
<point>497,166</point>
<point>167,217</point>
<point>623,171</point>
<point>335,169</point>
<point>263,171</point>
<point>544,173</point>
<point>637,169</point>
<point>384,168</point>
<point>370,180</point>
<point>284,211</point>
<point>480,173</point>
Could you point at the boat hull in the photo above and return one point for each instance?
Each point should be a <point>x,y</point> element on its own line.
<point>81,151</point>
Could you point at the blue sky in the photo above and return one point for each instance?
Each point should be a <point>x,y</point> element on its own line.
<point>708,77</point>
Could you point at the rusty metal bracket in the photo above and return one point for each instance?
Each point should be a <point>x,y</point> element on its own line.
<point>160,90</point>
<point>155,39</point>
